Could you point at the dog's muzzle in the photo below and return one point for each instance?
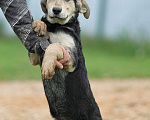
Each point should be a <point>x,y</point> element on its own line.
<point>57,10</point>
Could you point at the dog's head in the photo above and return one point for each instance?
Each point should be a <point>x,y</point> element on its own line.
<point>62,11</point>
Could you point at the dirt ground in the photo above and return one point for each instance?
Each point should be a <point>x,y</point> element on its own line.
<point>117,99</point>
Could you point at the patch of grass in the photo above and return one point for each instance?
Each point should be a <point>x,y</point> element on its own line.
<point>14,62</point>
<point>122,58</point>
<point>104,58</point>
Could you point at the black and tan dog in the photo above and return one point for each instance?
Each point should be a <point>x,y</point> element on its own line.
<point>68,90</point>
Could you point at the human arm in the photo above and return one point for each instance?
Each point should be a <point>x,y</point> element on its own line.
<point>20,19</point>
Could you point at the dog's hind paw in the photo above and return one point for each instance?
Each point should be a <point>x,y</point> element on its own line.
<point>39,27</point>
<point>34,59</point>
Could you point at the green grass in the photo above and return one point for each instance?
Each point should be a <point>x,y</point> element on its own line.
<point>104,58</point>
<point>117,59</point>
<point>14,62</point>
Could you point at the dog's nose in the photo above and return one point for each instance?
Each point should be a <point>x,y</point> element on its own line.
<point>56,10</point>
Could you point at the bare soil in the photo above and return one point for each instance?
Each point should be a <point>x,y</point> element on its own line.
<point>117,99</point>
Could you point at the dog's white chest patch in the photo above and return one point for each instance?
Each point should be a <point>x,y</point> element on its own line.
<point>62,38</point>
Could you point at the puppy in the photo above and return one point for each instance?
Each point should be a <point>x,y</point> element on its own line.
<point>68,90</point>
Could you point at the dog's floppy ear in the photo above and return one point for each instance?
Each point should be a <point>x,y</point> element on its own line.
<point>83,8</point>
<point>43,5</point>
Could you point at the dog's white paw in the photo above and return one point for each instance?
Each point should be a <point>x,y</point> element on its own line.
<point>53,52</point>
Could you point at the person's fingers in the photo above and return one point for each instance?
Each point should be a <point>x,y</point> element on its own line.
<point>65,52</point>
<point>66,56</point>
<point>66,64</point>
<point>59,65</point>
<point>65,61</point>
<point>62,61</point>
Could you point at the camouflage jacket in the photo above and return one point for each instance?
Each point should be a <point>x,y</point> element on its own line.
<point>20,19</point>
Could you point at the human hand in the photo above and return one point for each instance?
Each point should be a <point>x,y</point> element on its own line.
<point>55,56</point>
<point>64,62</point>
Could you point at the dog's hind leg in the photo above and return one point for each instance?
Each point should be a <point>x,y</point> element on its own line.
<point>34,58</point>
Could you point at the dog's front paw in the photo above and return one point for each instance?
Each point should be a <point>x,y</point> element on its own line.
<point>48,68</point>
<point>39,27</point>
<point>53,52</point>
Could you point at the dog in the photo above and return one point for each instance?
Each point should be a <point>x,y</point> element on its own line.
<point>67,90</point>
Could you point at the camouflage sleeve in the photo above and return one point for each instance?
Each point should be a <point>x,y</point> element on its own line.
<point>20,19</point>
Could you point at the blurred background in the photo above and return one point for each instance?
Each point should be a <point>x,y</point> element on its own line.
<point>115,41</point>
<point>116,46</point>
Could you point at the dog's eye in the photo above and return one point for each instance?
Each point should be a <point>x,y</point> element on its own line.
<point>67,0</point>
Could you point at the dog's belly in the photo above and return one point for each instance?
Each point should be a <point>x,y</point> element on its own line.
<point>62,38</point>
